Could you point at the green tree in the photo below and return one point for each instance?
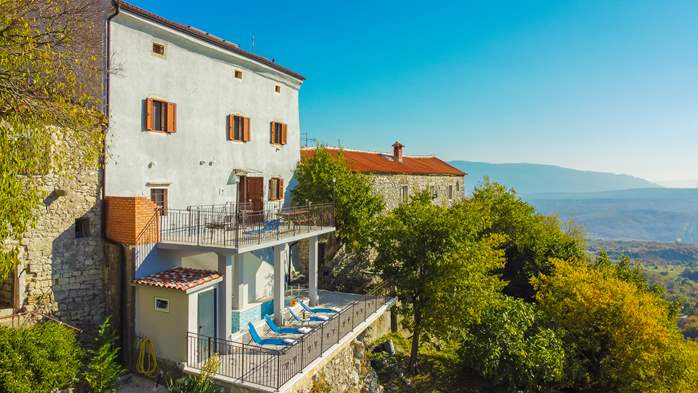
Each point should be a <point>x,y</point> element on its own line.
<point>512,348</point>
<point>440,266</point>
<point>532,239</point>
<point>619,338</point>
<point>50,120</point>
<point>103,369</point>
<point>41,358</point>
<point>325,178</point>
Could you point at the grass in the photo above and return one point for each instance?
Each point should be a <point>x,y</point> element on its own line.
<point>438,369</point>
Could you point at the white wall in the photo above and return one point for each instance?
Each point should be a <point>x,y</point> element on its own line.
<point>198,77</point>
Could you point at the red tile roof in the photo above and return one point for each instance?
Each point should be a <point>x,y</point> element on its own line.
<point>373,162</point>
<point>204,36</point>
<point>181,278</point>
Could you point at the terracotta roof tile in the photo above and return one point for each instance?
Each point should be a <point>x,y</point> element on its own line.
<point>373,162</point>
<point>181,278</point>
<point>204,36</point>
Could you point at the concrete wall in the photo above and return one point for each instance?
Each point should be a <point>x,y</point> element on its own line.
<point>389,187</point>
<point>167,330</point>
<point>199,78</point>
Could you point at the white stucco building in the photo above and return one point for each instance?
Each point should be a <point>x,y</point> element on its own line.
<point>203,138</point>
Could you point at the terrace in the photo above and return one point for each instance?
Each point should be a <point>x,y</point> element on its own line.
<point>272,368</point>
<point>240,227</point>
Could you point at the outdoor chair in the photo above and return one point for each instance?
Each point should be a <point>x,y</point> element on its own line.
<point>315,310</point>
<point>284,330</point>
<point>267,341</point>
<point>311,318</point>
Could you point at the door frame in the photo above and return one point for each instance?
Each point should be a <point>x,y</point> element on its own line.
<point>214,290</point>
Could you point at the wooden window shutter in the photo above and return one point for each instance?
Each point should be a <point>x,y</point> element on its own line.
<point>246,129</point>
<point>271,135</point>
<point>171,117</point>
<point>149,114</point>
<point>283,134</point>
<point>231,127</point>
<point>271,189</point>
<point>280,193</point>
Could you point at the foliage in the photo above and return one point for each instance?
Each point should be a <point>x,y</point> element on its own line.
<point>50,120</point>
<point>103,369</point>
<point>40,358</point>
<point>439,265</point>
<point>325,178</point>
<point>533,239</point>
<point>200,384</point>
<point>619,337</point>
<point>511,348</point>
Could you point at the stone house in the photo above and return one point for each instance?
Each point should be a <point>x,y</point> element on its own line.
<point>398,176</point>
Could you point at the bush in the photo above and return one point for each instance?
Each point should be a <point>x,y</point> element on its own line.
<point>103,369</point>
<point>512,350</point>
<point>200,384</point>
<point>38,358</point>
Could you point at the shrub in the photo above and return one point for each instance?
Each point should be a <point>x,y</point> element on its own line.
<point>200,384</point>
<point>38,358</point>
<point>512,350</point>
<point>103,368</point>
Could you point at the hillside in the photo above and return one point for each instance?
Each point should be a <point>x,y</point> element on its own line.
<point>537,178</point>
<point>657,214</point>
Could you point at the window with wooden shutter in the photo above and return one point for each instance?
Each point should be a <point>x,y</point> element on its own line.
<point>278,133</point>
<point>238,128</point>
<point>160,116</point>
<point>276,188</point>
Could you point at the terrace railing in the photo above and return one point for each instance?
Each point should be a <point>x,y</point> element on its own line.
<point>234,225</point>
<point>271,367</point>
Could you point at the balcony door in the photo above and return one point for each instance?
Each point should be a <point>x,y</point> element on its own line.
<point>251,190</point>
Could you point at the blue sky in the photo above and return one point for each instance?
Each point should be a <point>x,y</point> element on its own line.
<point>600,85</point>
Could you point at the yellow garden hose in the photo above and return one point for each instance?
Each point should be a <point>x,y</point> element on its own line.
<point>146,355</point>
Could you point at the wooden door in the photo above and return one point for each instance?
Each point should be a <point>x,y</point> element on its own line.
<point>255,192</point>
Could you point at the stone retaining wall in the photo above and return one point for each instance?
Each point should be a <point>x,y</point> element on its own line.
<point>61,274</point>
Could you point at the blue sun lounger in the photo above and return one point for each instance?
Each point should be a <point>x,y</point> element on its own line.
<point>317,309</point>
<point>267,341</point>
<point>312,318</point>
<point>284,330</point>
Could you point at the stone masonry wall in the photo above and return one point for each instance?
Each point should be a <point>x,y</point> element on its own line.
<point>61,274</point>
<point>388,185</point>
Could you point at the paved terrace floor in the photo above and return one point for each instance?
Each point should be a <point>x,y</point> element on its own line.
<point>271,367</point>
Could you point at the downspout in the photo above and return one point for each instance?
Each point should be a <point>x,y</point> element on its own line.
<point>105,100</point>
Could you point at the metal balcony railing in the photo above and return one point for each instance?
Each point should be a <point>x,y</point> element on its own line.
<point>234,225</point>
<point>271,367</point>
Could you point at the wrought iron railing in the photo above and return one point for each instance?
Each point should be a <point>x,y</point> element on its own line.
<point>240,225</point>
<point>271,367</point>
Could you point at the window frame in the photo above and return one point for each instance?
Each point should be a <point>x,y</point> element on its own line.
<point>157,299</point>
<point>277,89</point>
<point>165,197</point>
<point>161,45</point>
<point>235,121</point>
<point>450,192</point>
<point>82,227</point>
<point>276,191</point>
<point>404,193</point>
<point>166,113</point>
<point>278,133</point>
<point>237,74</point>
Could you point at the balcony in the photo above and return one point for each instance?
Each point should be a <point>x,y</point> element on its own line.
<point>270,368</point>
<point>240,227</point>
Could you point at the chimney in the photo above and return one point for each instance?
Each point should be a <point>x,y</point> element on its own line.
<point>397,151</point>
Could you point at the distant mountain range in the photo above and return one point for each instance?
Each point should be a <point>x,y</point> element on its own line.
<point>608,206</point>
<point>537,178</point>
